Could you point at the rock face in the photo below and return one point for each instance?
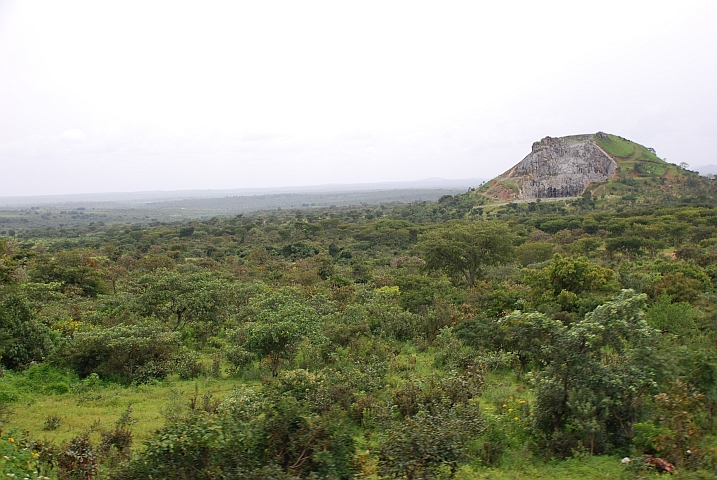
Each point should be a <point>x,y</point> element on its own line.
<point>561,167</point>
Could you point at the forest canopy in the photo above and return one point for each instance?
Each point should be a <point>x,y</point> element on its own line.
<point>428,340</point>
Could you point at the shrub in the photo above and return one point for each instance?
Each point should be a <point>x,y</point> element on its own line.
<point>417,447</point>
<point>17,458</point>
<point>238,357</point>
<point>76,270</point>
<point>78,460</point>
<point>507,427</point>
<point>115,444</point>
<point>315,388</point>
<point>52,422</point>
<point>23,338</point>
<point>188,365</point>
<point>251,436</point>
<point>534,252</point>
<point>452,353</point>
<point>92,382</point>
<point>128,353</point>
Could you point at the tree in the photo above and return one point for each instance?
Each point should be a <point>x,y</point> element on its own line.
<point>276,323</point>
<point>534,252</point>
<point>677,318</point>
<point>76,269</point>
<point>8,265</point>
<point>273,340</point>
<point>467,248</point>
<point>529,335</point>
<point>678,410</point>
<point>23,338</point>
<point>631,246</point>
<point>597,376</point>
<point>573,283</point>
<point>198,299</point>
<point>585,246</point>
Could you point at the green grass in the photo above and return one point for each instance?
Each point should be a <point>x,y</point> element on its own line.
<point>633,157</point>
<point>587,468</point>
<point>616,146</point>
<point>651,168</point>
<point>18,387</point>
<point>102,406</point>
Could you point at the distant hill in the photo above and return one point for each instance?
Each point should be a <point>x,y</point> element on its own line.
<point>134,198</point>
<point>608,166</point>
<point>706,169</point>
<point>74,211</point>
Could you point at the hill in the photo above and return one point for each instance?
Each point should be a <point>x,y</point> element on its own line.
<point>126,199</point>
<point>706,169</point>
<point>608,166</point>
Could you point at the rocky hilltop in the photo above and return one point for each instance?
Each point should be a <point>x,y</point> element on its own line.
<point>566,166</point>
<point>562,167</point>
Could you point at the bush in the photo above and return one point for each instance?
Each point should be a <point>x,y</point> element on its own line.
<point>252,435</point>
<point>92,382</point>
<point>76,270</point>
<point>452,353</point>
<point>238,357</point>
<point>23,338</point>
<point>17,458</point>
<point>507,427</point>
<point>188,365</point>
<point>127,353</point>
<point>78,460</point>
<point>37,380</point>
<point>321,390</point>
<point>417,447</point>
<point>52,422</point>
<point>534,252</point>
<point>115,444</point>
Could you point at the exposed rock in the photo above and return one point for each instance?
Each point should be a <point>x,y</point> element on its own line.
<point>561,167</point>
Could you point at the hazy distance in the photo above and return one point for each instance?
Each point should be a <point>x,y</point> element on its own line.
<point>147,96</point>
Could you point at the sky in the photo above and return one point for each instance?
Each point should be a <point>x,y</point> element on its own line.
<point>122,96</point>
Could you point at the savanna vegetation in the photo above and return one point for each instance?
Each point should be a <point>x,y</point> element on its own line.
<point>428,340</point>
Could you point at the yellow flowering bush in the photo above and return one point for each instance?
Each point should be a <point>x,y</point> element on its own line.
<point>507,422</point>
<point>17,460</point>
<point>67,327</point>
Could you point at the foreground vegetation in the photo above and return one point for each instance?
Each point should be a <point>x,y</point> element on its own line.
<point>445,340</point>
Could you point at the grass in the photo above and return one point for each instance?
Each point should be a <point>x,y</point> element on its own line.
<point>100,407</point>
<point>616,146</point>
<point>37,380</point>
<point>634,158</point>
<point>587,468</point>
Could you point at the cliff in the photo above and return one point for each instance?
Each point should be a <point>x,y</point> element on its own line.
<point>557,167</point>
<point>562,167</point>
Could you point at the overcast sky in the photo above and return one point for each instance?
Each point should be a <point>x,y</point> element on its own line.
<point>148,95</point>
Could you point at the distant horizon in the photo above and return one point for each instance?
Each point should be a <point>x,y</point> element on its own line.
<point>425,183</point>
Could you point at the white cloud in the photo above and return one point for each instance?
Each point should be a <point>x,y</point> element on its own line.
<point>73,134</point>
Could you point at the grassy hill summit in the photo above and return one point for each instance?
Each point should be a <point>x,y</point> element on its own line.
<point>607,166</point>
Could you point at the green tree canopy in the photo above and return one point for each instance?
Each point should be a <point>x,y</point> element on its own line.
<point>198,298</point>
<point>276,323</point>
<point>23,338</point>
<point>597,375</point>
<point>467,248</point>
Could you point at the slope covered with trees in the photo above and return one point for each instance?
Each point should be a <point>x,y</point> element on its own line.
<point>429,340</point>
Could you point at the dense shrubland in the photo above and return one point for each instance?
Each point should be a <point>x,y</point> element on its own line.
<point>370,343</point>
